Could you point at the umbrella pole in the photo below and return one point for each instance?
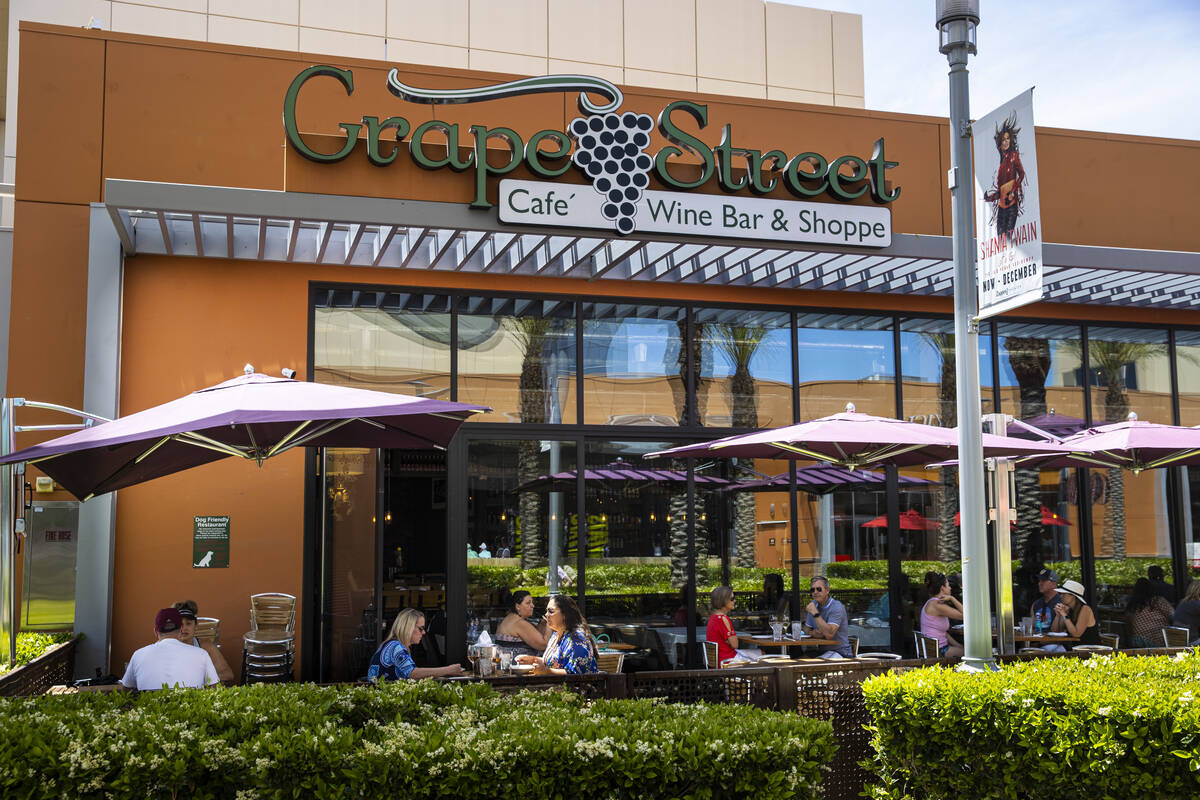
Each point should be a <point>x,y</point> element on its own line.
<point>8,573</point>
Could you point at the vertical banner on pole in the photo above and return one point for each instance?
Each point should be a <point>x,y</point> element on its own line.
<point>1008,221</point>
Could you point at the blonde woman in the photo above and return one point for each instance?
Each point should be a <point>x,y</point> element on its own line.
<point>393,661</point>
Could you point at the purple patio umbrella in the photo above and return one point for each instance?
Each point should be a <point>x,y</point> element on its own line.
<point>253,417</point>
<point>616,472</point>
<point>823,479</point>
<point>856,441</point>
<point>1059,425</point>
<point>1133,445</point>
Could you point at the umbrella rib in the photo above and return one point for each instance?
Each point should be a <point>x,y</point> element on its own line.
<point>791,448</point>
<point>1173,457</point>
<point>286,445</point>
<point>282,442</point>
<point>200,440</point>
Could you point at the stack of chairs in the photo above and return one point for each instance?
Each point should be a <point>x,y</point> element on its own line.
<point>269,647</point>
<point>208,629</point>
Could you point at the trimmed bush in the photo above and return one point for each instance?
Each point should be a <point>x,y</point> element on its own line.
<point>32,645</point>
<point>651,579</point>
<point>1061,728</point>
<point>418,739</point>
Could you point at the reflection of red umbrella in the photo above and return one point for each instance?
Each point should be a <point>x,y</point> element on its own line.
<point>1048,518</point>
<point>909,521</point>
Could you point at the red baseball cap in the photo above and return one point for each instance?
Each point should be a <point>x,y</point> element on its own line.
<point>168,620</point>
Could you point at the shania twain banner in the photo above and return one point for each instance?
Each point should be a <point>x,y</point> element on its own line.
<point>1008,220</point>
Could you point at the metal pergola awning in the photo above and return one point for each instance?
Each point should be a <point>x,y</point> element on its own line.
<point>266,225</point>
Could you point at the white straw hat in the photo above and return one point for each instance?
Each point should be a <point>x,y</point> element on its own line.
<point>1073,588</point>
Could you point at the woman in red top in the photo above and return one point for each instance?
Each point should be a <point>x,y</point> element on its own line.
<point>720,628</point>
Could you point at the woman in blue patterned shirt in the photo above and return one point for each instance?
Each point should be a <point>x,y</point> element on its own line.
<point>570,651</point>
<point>393,661</point>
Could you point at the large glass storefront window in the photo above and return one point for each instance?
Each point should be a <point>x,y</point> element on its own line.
<point>517,356</point>
<point>1129,371</point>
<point>634,367</point>
<point>350,623</point>
<point>1187,367</point>
<point>1040,383</point>
<point>521,513</point>
<point>745,368</point>
<point>846,359</point>
<point>390,341</point>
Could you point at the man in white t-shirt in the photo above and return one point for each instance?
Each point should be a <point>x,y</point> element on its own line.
<point>169,662</point>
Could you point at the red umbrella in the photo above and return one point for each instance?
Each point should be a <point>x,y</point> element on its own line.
<point>1048,518</point>
<point>909,521</point>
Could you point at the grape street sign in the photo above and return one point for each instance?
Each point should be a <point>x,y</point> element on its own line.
<point>611,148</point>
<point>576,206</point>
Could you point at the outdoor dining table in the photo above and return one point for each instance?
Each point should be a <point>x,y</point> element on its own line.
<point>765,641</point>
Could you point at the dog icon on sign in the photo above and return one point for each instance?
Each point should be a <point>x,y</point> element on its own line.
<point>206,561</point>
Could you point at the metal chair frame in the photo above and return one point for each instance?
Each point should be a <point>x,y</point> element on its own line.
<point>1175,637</point>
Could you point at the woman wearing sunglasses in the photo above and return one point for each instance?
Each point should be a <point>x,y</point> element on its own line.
<point>570,651</point>
<point>393,661</point>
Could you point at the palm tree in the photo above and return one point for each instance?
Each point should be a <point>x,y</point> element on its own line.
<point>1029,358</point>
<point>739,343</point>
<point>946,494</point>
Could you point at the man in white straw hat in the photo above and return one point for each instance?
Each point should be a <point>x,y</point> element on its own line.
<point>1074,616</point>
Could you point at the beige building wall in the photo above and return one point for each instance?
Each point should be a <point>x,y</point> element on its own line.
<point>746,48</point>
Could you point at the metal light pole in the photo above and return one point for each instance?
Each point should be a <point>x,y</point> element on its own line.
<point>956,21</point>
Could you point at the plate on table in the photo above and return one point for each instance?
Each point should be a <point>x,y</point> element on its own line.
<point>1056,633</point>
<point>775,657</point>
<point>766,637</point>
<point>522,669</point>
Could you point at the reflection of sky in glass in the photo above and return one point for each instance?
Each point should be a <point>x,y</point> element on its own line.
<point>834,354</point>
<point>630,347</point>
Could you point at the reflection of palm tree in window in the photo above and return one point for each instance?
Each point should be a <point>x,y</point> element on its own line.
<point>677,503</point>
<point>1029,358</point>
<point>739,343</point>
<point>1111,362</point>
<point>532,334</point>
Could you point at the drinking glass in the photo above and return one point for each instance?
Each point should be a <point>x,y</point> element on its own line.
<point>777,631</point>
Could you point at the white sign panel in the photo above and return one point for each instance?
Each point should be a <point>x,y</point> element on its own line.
<point>578,206</point>
<point>1008,220</point>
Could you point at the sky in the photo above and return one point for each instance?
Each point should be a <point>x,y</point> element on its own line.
<point>1117,66</point>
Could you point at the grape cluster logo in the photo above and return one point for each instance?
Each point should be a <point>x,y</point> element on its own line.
<point>611,150</point>
<point>610,146</point>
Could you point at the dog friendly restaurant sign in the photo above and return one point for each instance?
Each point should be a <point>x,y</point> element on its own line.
<point>610,148</point>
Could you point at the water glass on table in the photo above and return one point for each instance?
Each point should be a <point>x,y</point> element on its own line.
<point>777,631</point>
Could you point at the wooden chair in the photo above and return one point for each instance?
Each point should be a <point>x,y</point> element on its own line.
<point>853,646</point>
<point>1111,640</point>
<point>610,662</point>
<point>273,610</point>
<point>208,629</point>
<point>711,661</point>
<point>1175,637</point>
<point>927,646</point>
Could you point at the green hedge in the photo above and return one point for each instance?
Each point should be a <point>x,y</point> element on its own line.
<point>417,739</point>
<point>1060,729</point>
<point>1108,571</point>
<point>645,579</point>
<point>32,645</point>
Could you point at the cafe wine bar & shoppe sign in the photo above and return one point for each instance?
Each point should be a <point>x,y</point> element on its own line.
<point>611,149</point>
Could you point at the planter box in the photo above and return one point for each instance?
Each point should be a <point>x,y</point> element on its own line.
<point>55,666</point>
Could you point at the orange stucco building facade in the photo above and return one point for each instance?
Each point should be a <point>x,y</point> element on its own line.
<point>96,105</point>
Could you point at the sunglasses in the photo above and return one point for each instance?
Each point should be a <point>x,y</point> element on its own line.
<point>421,628</point>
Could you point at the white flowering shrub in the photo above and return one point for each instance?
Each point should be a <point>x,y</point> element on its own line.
<point>1061,728</point>
<point>411,739</point>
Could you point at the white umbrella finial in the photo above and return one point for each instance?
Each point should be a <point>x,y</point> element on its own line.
<point>850,407</point>
<point>1132,416</point>
<point>248,369</point>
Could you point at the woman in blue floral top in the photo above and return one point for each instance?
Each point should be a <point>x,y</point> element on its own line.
<point>570,651</point>
<point>393,661</point>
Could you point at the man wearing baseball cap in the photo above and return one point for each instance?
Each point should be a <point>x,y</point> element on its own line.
<point>1042,609</point>
<point>169,662</point>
